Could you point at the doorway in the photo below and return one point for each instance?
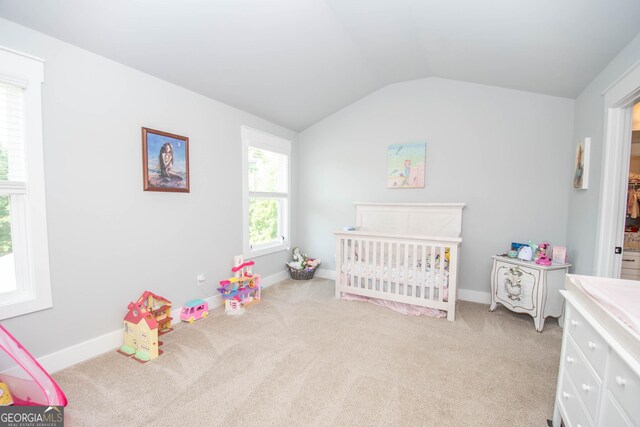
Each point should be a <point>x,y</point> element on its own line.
<point>630,265</point>
<point>619,99</point>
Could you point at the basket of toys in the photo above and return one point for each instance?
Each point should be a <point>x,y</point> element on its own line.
<point>302,267</point>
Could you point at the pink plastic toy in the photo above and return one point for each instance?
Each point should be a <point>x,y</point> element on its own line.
<point>194,310</point>
<point>542,258</point>
<point>242,289</point>
<point>27,381</point>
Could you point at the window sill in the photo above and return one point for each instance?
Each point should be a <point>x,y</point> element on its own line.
<point>266,250</point>
<point>14,308</point>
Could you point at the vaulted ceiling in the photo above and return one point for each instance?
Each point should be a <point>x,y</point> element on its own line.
<point>296,61</point>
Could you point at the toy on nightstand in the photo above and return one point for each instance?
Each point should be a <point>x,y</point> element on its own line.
<point>194,310</point>
<point>5,395</point>
<point>242,289</point>
<point>542,254</point>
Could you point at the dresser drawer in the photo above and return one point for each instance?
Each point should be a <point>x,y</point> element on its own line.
<point>587,385</point>
<point>516,286</point>
<point>612,415</point>
<point>631,260</point>
<point>624,385</point>
<point>630,274</point>
<point>590,343</point>
<point>574,413</point>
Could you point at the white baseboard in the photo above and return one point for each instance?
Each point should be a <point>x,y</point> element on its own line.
<point>474,296</point>
<point>325,273</point>
<point>110,341</point>
<point>80,352</point>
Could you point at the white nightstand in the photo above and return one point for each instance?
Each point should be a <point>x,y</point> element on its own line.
<point>527,287</point>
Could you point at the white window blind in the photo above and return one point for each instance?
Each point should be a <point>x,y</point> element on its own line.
<point>12,161</point>
<point>266,183</point>
<point>25,284</point>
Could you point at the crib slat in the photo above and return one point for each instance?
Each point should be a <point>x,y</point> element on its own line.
<point>380,268</point>
<point>405,269</point>
<point>432,269</point>
<point>365,263</point>
<point>352,262</point>
<point>345,253</point>
<point>360,262</point>
<point>382,261</point>
<point>414,268</point>
<point>374,265</point>
<point>396,290</point>
<point>423,275</point>
<point>389,267</point>
<point>453,280</point>
<point>441,274</point>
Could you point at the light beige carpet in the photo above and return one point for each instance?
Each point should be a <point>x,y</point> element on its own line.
<point>301,357</point>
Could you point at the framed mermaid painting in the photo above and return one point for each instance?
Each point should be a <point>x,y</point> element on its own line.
<point>165,161</point>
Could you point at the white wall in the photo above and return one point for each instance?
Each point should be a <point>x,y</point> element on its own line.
<point>589,122</point>
<point>503,152</point>
<point>108,239</point>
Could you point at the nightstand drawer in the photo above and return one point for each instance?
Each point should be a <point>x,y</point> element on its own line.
<point>624,385</point>
<point>516,286</point>
<point>588,387</point>
<point>590,343</point>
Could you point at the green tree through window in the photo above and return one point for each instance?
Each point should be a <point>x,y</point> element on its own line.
<point>267,174</point>
<point>5,224</point>
<point>263,220</point>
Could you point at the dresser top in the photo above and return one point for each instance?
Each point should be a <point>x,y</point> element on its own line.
<point>608,324</point>
<point>530,264</point>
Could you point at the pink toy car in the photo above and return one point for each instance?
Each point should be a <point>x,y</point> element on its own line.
<point>194,310</point>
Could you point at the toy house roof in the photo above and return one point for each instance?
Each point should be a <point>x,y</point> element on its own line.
<point>147,294</point>
<point>137,312</point>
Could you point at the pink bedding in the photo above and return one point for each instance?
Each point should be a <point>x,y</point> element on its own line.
<point>620,297</point>
<point>406,309</point>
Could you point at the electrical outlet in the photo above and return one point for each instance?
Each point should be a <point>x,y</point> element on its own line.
<point>200,279</point>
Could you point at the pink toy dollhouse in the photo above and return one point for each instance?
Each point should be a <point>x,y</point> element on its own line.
<point>140,334</point>
<point>160,308</point>
<point>241,290</point>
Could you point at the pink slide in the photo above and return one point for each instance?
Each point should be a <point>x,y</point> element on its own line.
<point>28,382</point>
<point>243,265</point>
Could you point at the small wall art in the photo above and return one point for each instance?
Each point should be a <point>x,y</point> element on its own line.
<point>581,171</point>
<point>165,161</point>
<point>406,165</point>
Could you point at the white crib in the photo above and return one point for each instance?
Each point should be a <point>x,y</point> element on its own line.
<point>402,252</point>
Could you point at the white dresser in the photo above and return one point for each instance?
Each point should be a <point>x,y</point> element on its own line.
<point>599,377</point>
<point>527,287</point>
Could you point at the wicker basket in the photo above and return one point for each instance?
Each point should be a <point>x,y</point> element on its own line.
<point>301,274</point>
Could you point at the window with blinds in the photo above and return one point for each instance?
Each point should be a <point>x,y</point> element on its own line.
<point>12,177</point>
<point>25,284</point>
<point>266,164</point>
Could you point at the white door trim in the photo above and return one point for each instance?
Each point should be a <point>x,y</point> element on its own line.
<point>618,100</point>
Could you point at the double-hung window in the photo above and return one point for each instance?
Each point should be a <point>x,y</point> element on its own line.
<point>24,254</point>
<point>266,182</point>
